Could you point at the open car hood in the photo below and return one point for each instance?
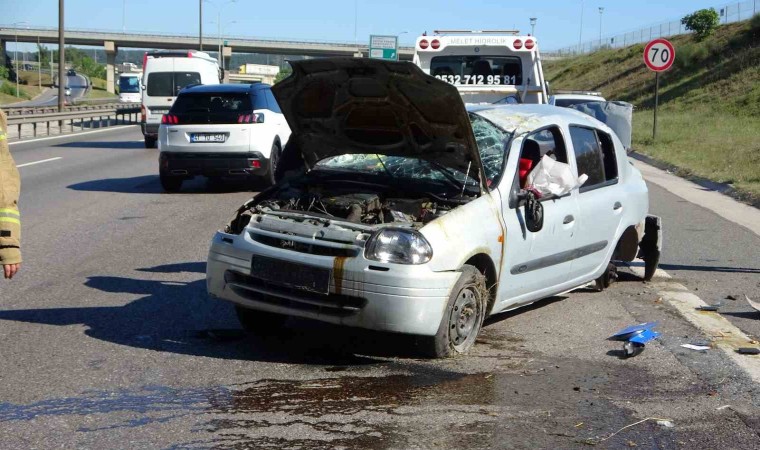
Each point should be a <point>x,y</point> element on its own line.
<point>338,106</point>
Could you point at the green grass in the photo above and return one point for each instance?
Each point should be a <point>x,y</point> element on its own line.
<point>8,93</point>
<point>99,89</point>
<point>709,124</point>
<point>713,145</point>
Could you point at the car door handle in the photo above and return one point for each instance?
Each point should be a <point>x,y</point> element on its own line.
<point>617,206</point>
<point>568,219</point>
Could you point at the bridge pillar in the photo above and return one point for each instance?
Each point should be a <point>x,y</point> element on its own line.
<point>111,51</point>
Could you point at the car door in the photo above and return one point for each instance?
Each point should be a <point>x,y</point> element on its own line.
<point>600,200</point>
<point>536,264</point>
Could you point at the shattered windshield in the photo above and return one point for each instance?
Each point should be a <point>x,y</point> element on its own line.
<point>491,145</point>
<point>397,167</point>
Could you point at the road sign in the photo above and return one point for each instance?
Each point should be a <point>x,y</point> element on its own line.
<point>383,47</point>
<point>659,55</point>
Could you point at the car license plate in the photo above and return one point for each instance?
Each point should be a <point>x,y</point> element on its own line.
<point>208,137</point>
<point>297,276</point>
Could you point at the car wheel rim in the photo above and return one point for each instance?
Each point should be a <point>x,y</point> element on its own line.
<point>464,317</point>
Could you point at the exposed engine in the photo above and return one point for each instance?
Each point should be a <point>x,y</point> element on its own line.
<point>358,207</point>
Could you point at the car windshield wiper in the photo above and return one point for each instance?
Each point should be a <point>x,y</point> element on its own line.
<point>461,185</point>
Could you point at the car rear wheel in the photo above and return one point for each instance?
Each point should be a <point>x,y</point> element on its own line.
<point>274,158</point>
<point>150,142</point>
<point>463,318</point>
<point>259,322</point>
<point>170,183</point>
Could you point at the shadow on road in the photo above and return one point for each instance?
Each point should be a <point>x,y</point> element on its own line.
<point>709,268</point>
<point>150,184</point>
<point>178,317</point>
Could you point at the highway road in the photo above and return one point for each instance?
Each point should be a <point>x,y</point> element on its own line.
<point>77,83</point>
<point>109,341</point>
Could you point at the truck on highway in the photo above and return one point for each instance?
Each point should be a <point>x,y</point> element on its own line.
<point>485,66</point>
<point>129,87</point>
<point>165,73</point>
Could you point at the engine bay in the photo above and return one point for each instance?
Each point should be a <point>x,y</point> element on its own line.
<point>368,208</point>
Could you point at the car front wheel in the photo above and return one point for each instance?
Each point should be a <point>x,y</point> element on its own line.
<point>463,318</point>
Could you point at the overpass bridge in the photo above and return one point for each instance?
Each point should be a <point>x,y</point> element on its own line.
<point>111,41</point>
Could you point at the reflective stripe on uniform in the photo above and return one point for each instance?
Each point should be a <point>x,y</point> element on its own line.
<point>2,136</point>
<point>10,220</point>
<point>9,212</point>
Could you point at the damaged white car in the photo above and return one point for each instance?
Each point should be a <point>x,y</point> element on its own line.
<point>406,212</point>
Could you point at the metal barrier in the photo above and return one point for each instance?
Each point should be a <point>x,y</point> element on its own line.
<point>15,111</point>
<point>88,119</point>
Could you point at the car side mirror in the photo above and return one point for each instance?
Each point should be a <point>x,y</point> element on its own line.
<point>534,211</point>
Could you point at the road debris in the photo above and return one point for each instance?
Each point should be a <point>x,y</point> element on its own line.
<point>730,297</point>
<point>713,307</point>
<point>748,351</point>
<point>657,419</point>
<point>635,337</point>
<point>753,304</point>
<point>696,347</point>
<point>665,423</point>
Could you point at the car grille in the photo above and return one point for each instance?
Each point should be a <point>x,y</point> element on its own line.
<point>293,243</point>
<point>259,290</point>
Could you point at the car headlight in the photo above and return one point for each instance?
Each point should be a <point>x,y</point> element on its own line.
<point>400,246</point>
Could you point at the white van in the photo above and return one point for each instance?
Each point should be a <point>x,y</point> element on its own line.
<point>129,87</point>
<point>165,73</point>
<point>485,66</point>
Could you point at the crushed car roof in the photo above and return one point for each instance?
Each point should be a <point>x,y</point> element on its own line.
<point>524,118</point>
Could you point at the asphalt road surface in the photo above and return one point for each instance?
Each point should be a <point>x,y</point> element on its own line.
<point>107,339</point>
<point>77,83</point>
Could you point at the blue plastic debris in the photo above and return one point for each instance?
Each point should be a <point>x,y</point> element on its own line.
<point>635,337</point>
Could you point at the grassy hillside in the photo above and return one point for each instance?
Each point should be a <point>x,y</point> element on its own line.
<point>709,121</point>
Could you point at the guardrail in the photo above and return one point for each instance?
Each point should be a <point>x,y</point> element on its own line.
<point>86,119</point>
<point>15,111</point>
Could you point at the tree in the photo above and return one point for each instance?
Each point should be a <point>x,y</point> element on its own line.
<point>702,22</point>
<point>282,74</point>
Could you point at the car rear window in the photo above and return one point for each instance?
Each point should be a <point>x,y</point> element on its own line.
<point>565,103</point>
<point>208,107</point>
<point>477,69</point>
<point>168,84</point>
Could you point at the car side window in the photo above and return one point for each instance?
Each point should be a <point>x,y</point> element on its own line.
<point>588,155</point>
<point>490,140</point>
<point>551,143</point>
<point>608,156</point>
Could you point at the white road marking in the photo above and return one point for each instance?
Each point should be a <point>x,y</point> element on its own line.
<point>39,162</point>
<point>68,135</point>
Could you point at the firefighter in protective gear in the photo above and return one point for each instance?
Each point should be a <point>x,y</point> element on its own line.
<point>10,220</point>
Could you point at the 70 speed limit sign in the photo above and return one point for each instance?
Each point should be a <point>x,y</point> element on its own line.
<point>659,55</point>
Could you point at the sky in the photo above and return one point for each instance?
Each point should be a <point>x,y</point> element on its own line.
<point>558,21</point>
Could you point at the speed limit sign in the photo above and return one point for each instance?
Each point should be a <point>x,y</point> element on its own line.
<point>659,55</point>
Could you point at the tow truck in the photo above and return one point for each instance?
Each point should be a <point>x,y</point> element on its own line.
<point>492,66</point>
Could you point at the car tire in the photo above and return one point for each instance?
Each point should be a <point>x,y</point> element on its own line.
<point>150,142</point>
<point>607,278</point>
<point>274,158</point>
<point>170,183</point>
<point>259,322</point>
<point>463,319</point>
